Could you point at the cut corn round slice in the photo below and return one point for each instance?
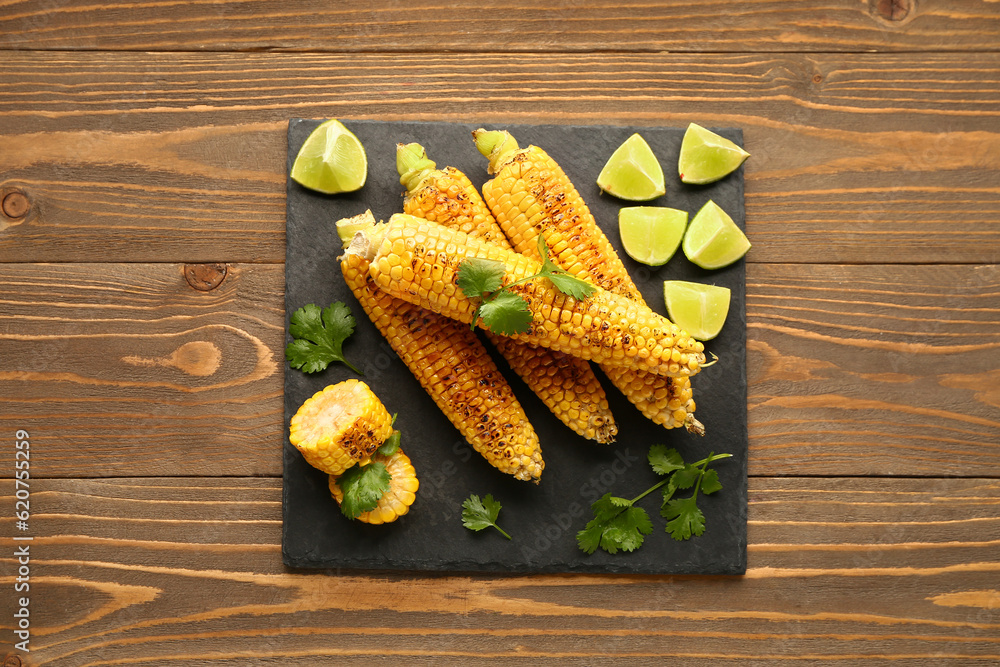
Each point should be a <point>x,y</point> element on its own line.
<point>331,160</point>
<point>339,426</point>
<point>697,308</point>
<point>395,502</point>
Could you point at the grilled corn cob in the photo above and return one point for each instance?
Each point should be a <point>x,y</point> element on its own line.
<point>339,426</point>
<point>401,494</point>
<point>417,260</point>
<point>453,367</point>
<point>565,384</point>
<point>531,195</point>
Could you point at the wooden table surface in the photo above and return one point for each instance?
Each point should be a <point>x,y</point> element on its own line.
<point>142,176</point>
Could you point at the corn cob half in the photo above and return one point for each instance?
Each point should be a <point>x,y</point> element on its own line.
<point>566,385</point>
<point>418,261</point>
<point>452,366</point>
<point>531,195</point>
<point>339,426</point>
<point>395,502</point>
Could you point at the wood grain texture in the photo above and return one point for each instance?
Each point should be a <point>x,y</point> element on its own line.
<point>631,25</point>
<point>172,571</point>
<point>124,369</point>
<point>127,369</point>
<point>181,157</point>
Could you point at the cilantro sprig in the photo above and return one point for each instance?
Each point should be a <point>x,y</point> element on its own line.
<point>619,525</point>
<point>502,310</point>
<point>319,335</point>
<point>364,485</point>
<point>481,514</point>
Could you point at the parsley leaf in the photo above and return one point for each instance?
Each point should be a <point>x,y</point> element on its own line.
<point>319,337</point>
<point>363,486</point>
<point>617,524</point>
<point>684,518</point>
<point>481,514</point>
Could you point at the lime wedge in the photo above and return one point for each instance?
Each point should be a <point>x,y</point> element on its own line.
<point>707,157</point>
<point>699,309</point>
<point>633,172</point>
<point>713,240</point>
<point>651,234</point>
<point>331,160</point>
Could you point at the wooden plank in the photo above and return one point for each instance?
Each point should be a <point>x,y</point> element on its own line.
<point>841,571</point>
<point>125,369</point>
<point>674,25</point>
<point>181,157</point>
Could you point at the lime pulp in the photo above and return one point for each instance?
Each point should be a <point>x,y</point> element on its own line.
<point>698,309</point>
<point>633,172</point>
<point>651,234</point>
<point>331,160</point>
<point>706,157</point>
<point>713,240</point>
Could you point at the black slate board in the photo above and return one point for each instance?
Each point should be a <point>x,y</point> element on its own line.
<point>543,519</point>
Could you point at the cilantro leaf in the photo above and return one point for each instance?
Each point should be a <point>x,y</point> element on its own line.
<point>564,282</point>
<point>391,444</point>
<point>506,313</point>
<point>481,514</point>
<point>686,477</point>
<point>710,482</point>
<point>617,525</point>
<point>663,460</point>
<point>685,519</point>
<point>319,336</point>
<point>571,285</point>
<point>363,486</point>
<point>479,277</point>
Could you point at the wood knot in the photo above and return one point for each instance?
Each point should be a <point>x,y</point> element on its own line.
<point>11,660</point>
<point>15,206</point>
<point>893,10</point>
<point>205,277</point>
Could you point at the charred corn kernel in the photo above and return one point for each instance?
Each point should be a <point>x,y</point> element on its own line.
<point>395,502</point>
<point>550,205</point>
<point>566,385</point>
<point>339,426</point>
<point>453,367</point>
<point>410,241</point>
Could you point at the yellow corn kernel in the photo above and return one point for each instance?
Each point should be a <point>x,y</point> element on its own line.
<point>565,384</point>
<point>339,426</point>
<point>395,502</point>
<point>608,339</point>
<point>577,244</point>
<point>453,367</point>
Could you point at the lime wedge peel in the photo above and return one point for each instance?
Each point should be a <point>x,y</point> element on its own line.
<point>331,160</point>
<point>706,157</point>
<point>651,234</point>
<point>713,240</point>
<point>633,172</point>
<point>698,309</point>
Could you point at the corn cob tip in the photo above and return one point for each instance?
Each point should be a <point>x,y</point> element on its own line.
<point>497,145</point>
<point>347,228</point>
<point>413,165</point>
<point>693,425</point>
